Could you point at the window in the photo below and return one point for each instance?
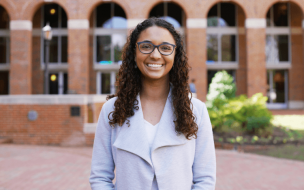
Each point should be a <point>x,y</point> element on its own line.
<point>110,31</point>
<point>169,12</point>
<point>222,34</point>
<point>277,88</point>
<point>106,82</point>
<point>277,48</point>
<point>58,83</point>
<point>4,37</point>
<point>57,18</point>
<point>110,35</point>
<point>4,86</point>
<point>173,14</point>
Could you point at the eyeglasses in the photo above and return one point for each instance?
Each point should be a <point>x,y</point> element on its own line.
<point>164,48</point>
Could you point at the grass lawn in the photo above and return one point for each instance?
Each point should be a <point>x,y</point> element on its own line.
<point>295,122</point>
<point>288,151</point>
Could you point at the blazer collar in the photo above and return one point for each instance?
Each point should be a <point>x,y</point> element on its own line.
<point>134,138</point>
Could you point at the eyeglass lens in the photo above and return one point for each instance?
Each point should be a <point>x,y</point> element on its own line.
<point>165,49</point>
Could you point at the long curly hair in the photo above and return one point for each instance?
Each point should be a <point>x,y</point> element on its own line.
<point>129,82</point>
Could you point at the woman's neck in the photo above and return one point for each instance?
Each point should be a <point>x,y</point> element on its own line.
<point>155,89</point>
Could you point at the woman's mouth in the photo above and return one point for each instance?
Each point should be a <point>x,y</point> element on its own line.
<point>154,65</point>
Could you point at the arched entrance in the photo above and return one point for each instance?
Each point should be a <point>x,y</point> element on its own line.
<point>56,16</point>
<point>226,44</point>
<point>108,25</point>
<point>284,60</point>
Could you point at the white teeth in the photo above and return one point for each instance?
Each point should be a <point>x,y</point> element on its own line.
<point>154,65</point>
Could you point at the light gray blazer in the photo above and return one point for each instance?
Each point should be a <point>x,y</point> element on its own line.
<point>178,163</point>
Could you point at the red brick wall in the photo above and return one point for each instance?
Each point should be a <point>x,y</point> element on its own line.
<point>91,63</point>
<point>196,40</point>
<point>296,79</point>
<point>241,72</point>
<point>37,73</point>
<point>54,125</point>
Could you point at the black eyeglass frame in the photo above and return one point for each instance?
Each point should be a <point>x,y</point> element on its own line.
<point>155,46</point>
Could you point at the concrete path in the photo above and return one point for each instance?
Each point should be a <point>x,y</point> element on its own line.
<point>25,167</point>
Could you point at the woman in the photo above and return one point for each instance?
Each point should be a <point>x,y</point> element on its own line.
<point>150,131</point>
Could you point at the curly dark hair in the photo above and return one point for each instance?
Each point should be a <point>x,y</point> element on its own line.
<point>129,82</point>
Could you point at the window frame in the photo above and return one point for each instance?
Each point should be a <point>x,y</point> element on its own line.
<point>219,32</point>
<point>60,80</point>
<point>57,32</point>
<point>274,105</point>
<point>5,33</point>
<point>275,31</point>
<point>99,82</point>
<point>100,31</point>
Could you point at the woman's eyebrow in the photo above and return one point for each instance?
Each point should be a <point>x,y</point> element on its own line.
<point>152,43</point>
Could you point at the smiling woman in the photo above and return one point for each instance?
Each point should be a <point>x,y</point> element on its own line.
<point>150,131</point>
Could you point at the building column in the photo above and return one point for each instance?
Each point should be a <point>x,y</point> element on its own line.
<point>78,56</point>
<point>295,75</point>
<point>241,75</point>
<point>256,63</point>
<point>196,51</point>
<point>20,57</point>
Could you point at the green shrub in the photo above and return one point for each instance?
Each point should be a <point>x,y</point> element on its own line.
<point>222,87</point>
<point>254,123</point>
<point>226,110</point>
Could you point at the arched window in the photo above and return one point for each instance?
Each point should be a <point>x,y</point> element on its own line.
<point>173,14</point>
<point>278,54</point>
<point>56,17</point>
<point>109,37</point>
<point>169,12</point>
<point>278,34</point>
<point>222,39</point>
<point>222,34</point>
<point>4,51</point>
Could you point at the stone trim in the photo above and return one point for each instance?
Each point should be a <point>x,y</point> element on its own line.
<point>255,23</point>
<point>78,24</point>
<point>196,23</point>
<point>294,104</point>
<point>296,31</point>
<point>132,23</point>
<point>89,128</point>
<point>21,25</point>
<point>51,99</point>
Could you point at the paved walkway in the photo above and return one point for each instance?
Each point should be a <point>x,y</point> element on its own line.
<point>25,167</point>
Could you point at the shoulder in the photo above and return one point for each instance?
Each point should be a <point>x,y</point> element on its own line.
<point>108,106</point>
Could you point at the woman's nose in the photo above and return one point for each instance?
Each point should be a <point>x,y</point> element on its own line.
<point>155,54</point>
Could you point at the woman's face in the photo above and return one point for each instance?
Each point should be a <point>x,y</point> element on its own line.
<point>155,65</point>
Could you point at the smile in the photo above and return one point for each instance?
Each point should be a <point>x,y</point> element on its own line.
<point>154,65</point>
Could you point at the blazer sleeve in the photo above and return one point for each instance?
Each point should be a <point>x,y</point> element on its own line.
<point>204,166</point>
<point>102,169</point>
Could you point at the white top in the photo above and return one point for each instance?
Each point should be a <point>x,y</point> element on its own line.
<point>151,131</point>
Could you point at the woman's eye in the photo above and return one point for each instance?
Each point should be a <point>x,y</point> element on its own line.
<point>146,46</point>
<point>166,48</point>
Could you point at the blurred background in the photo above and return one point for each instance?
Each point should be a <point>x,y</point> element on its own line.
<point>59,60</point>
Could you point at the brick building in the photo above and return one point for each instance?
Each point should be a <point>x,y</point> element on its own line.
<point>259,42</point>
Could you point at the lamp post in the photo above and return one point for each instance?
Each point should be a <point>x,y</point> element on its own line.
<point>47,34</point>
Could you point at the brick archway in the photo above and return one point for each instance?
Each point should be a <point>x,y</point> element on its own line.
<point>126,8</point>
<point>31,9</point>
<point>9,8</point>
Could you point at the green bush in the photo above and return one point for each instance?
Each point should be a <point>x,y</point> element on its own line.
<point>226,110</point>
<point>257,123</point>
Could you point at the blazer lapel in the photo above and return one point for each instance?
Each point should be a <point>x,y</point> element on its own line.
<point>134,138</point>
<point>166,135</point>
